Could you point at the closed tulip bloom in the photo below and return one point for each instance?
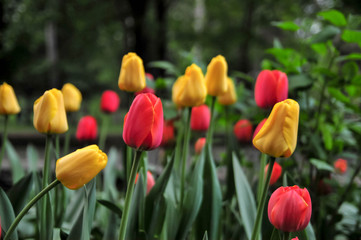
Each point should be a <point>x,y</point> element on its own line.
<point>49,113</point>
<point>150,181</point>
<point>230,96</point>
<point>109,102</point>
<point>198,146</point>
<point>278,136</point>
<point>72,97</point>
<point>132,75</point>
<point>296,238</point>
<point>168,133</point>
<point>8,101</point>
<point>340,165</point>
<point>276,173</point>
<point>259,126</point>
<point>271,88</point>
<point>87,129</point>
<point>143,124</point>
<point>243,130</point>
<point>200,118</point>
<point>290,209</point>
<point>216,76</point>
<point>190,89</point>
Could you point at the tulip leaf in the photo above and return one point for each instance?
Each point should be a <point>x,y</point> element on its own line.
<point>110,172</point>
<point>321,165</point>
<point>46,231</point>
<point>111,206</point>
<point>16,168</point>
<point>19,193</point>
<point>32,157</point>
<point>287,25</point>
<point>6,213</point>
<point>306,234</point>
<point>205,236</point>
<point>335,17</point>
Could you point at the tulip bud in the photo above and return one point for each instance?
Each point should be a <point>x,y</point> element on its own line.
<point>200,118</point>
<point>340,165</point>
<point>190,89</point>
<point>290,209</point>
<point>198,146</point>
<point>150,181</point>
<point>296,238</point>
<point>132,75</point>
<point>278,136</point>
<point>230,96</point>
<point>49,113</point>
<point>243,130</point>
<point>8,102</point>
<point>79,167</point>
<point>276,173</point>
<point>145,90</point>
<point>143,124</point>
<point>259,126</point>
<point>168,133</point>
<point>109,102</point>
<point>216,76</point>
<point>87,129</point>
<point>271,88</point>
<point>72,97</point>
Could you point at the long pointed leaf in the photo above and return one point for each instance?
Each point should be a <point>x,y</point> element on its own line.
<point>19,193</point>
<point>16,168</point>
<point>6,213</point>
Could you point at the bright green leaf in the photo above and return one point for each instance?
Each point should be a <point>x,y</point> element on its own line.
<point>321,165</point>
<point>288,25</point>
<point>335,17</point>
<point>351,36</point>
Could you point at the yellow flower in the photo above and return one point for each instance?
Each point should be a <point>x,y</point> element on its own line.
<point>132,74</point>
<point>216,76</point>
<point>79,167</point>
<point>72,97</point>
<point>49,113</point>
<point>230,96</point>
<point>278,136</point>
<point>8,102</point>
<point>190,89</point>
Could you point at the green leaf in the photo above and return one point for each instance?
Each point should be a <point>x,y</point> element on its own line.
<point>47,231</point>
<point>16,168</point>
<point>335,17</point>
<point>299,81</point>
<point>205,236</point>
<point>327,33</point>
<point>288,25</point>
<point>349,70</point>
<point>111,206</point>
<point>320,48</point>
<point>327,135</point>
<point>337,94</point>
<point>351,36</point>
<point>110,172</point>
<point>167,66</point>
<point>310,232</point>
<point>32,157</point>
<point>243,76</point>
<point>19,193</point>
<point>7,214</point>
<point>352,56</point>
<point>275,235</point>
<point>321,165</point>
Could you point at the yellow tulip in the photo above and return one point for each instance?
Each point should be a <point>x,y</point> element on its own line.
<point>8,102</point>
<point>72,97</point>
<point>216,76</point>
<point>79,167</point>
<point>278,136</point>
<point>49,113</point>
<point>230,96</point>
<point>132,74</point>
<point>190,89</point>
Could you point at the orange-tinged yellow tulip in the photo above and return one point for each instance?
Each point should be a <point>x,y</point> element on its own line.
<point>79,167</point>
<point>132,74</point>
<point>230,96</point>
<point>8,102</point>
<point>72,97</point>
<point>190,89</point>
<point>49,113</point>
<point>216,76</point>
<point>278,136</point>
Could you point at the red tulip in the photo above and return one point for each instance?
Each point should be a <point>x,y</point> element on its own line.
<point>87,128</point>
<point>259,126</point>
<point>296,238</point>
<point>198,146</point>
<point>276,173</point>
<point>143,124</point>
<point>150,181</point>
<point>168,133</point>
<point>243,130</point>
<point>109,102</point>
<point>340,165</point>
<point>145,90</point>
<point>200,118</point>
<point>271,88</point>
<point>290,209</point>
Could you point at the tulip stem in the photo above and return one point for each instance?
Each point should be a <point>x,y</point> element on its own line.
<point>286,235</point>
<point>129,194</point>
<point>261,204</point>
<point>210,130</point>
<point>5,135</point>
<point>28,206</point>
<point>261,176</point>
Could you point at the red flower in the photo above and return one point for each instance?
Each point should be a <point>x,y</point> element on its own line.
<point>200,118</point>
<point>243,130</point>
<point>145,90</point>
<point>290,209</point>
<point>271,88</point>
<point>259,126</point>
<point>276,173</point>
<point>143,124</point>
<point>198,146</point>
<point>109,102</point>
<point>296,238</point>
<point>150,181</point>
<point>87,128</point>
<point>168,133</point>
<point>340,165</point>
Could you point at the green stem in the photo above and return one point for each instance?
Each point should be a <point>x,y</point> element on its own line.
<point>209,138</point>
<point>128,195</point>
<point>104,130</point>
<point>46,172</point>
<point>28,206</point>
<point>286,235</point>
<point>260,208</point>
<point>57,146</point>
<point>261,176</point>
<point>5,135</point>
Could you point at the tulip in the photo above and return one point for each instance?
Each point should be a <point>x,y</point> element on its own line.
<point>230,96</point>
<point>340,165</point>
<point>278,136</point>
<point>200,118</point>
<point>276,173</point>
<point>216,76</point>
<point>150,181</point>
<point>8,101</point>
<point>109,102</point>
<point>243,130</point>
<point>271,88</point>
<point>145,90</point>
<point>296,238</point>
<point>290,209</point>
<point>49,113</point>
<point>198,146</point>
<point>190,89</point>
<point>87,129</point>
<point>168,133</point>
<point>78,168</point>
<point>132,75</point>
<point>143,124</point>
<point>259,126</point>
<point>72,97</point>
